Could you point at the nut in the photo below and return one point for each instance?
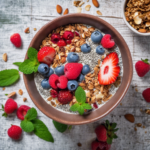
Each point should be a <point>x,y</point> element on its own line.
<point>79,9</point>
<point>20,92</point>
<point>95,3</point>
<point>130,118</point>
<point>34,29</point>
<point>76,3</point>
<point>142,30</point>
<point>5,57</point>
<point>3,88</point>
<point>87,7</point>
<point>63,60</point>
<point>27,30</point>
<point>137,20</point>
<point>59,9</point>
<point>88,94</point>
<point>147,24</point>
<point>98,12</point>
<point>66,11</point>
<point>11,94</point>
<point>81,3</point>
<point>24,99</point>
<point>49,99</point>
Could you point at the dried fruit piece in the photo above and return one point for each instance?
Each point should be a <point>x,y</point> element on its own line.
<point>79,9</point>
<point>5,57</point>
<point>66,11</point>
<point>98,12</point>
<point>59,9</point>
<point>130,118</point>
<point>87,7</point>
<point>20,92</point>
<point>24,99</point>
<point>95,3</point>
<point>34,29</point>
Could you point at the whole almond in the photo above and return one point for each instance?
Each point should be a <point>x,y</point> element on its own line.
<point>5,57</point>
<point>130,118</point>
<point>27,30</point>
<point>66,11</point>
<point>59,9</point>
<point>95,3</point>
<point>142,30</point>
<point>11,94</point>
<point>98,12</point>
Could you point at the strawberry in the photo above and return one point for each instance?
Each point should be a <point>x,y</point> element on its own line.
<point>68,35</point>
<point>61,42</point>
<point>10,107</point>
<point>104,146</point>
<point>95,145</point>
<point>107,42</point>
<point>14,132</point>
<point>73,70</point>
<point>46,55</point>
<point>146,95</point>
<point>65,96</point>
<point>55,37</point>
<point>21,112</point>
<point>53,80</point>
<point>142,67</point>
<point>109,70</point>
<point>54,93</point>
<point>16,39</point>
<point>101,133</point>
<point>62,82</point>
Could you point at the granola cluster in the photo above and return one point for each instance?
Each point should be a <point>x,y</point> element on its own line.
<point>137,13</point>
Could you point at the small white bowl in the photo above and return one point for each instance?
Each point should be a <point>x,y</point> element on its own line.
<point>124,18</point>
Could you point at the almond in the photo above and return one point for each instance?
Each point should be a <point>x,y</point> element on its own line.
<point>59,9</point>
<point>95,3</point>
<point>142,30</point>
<point>79,9</point>
<point>5,57</point>
<point>27,30</point>
<point>66,11</point>
<point>11,94</point>
<point>24,99</point>
<point>98,12</point>
<point>63,60</point>
<point>20,92</point>
<point>87,7</point>
<point>130,118</point>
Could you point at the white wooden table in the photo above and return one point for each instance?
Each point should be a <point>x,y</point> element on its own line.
<point>15,16</point>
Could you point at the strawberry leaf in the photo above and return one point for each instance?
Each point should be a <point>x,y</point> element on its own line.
<point>113,126</point>
<point>4,114</point>
<point>115,130</point>
<point>80,95</point>
<point>109,140</point>
<point>145,60</point>
<point>6,94</point>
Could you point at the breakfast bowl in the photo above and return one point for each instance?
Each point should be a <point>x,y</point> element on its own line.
<point>140,31</point>
<point>70,118</point>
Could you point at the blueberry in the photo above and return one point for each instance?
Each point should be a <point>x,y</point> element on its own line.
<point>43,69</point>
<point>45,84</point>
<point>80,78</point>
<point>51,71</point>
<point>100,50</point>
<point>96,37</point>
<point>59,70</point>
<point>72,85</point>
<point>86,69</point>
<point>85,48</point>
<point>73,57</point>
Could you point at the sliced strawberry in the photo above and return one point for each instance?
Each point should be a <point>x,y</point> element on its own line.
<point>46,55</point>
<point>109,70</point>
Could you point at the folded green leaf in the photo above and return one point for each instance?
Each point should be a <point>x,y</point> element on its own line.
<point>42,131</point>
<point>74,107</point>
<point>70,127</point>
<point>27,126</point>
<point>60,127</point>
<point>32,53</point>
<point>86,106</point>
<point>31,114</point>
<point>81,110</point>
<point>80,95</point>
<point>109,140</point>
<point>17,63</point>
<point>8,77</point>
<point>6,94</point>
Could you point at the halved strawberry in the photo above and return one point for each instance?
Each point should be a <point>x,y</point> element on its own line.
<point>46,55</point>
<point>109,69</point>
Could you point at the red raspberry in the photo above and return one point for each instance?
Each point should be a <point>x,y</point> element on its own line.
<point>146,95</point>
<point>55,38</point>
<point>54,93</point>
<point>62,82</point>
<point>53,80</point>
<point>14,132</point>
<point>76,33</point>
<point>142,68</point>
<point>65,96</point>
<point>68,41</point>
<point>95,145</point>
<point>46,55</point>
<point>21,112</point>
<point>10,107</point>
<point>107,42</point>
<point>73,70</point>
<point>61,42</point>
<point>68,35</point>
<point>104,146</point>
<point>101,133</point>
<point>16,39</point>
<point>95,105</point>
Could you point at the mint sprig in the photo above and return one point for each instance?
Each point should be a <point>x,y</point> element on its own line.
<point>60,127</point>
<point>8,77</point>
<point>17,63</point>
<point>81,99</point>
<point>31,124</point>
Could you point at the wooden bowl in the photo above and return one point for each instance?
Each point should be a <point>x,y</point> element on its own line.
<point>73,119</point>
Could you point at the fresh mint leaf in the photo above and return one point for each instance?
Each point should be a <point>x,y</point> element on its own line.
<point>27,126</point>
<point>74,107</point>
<point>17,63</point>
<point>8,77</point>
<point>60,127</point>
<point>86,106</point>
<point>42,131</point>
<point>31,114</point>
<point>36,68</point>
<point>81,110</point>
<point>32,53</point>
<point>80,95</point>
<point>6,94</point>
<point>145,60</point>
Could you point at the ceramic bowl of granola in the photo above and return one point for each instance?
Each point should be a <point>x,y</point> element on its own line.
<point>136,15</point>
<point>85,69</point>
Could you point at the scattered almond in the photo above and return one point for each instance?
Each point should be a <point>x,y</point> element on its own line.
<point>81,3</point>
<point>66,11</point>
<point>49,99</point>
<point>147,24</point>
<point>142,30</point>
<point>27,30</point>
<point>4,57</point>
<point>95,3</point>
<point>24,99</point>
<point>98,12</point>
<point>79,9</point>
<point>76,3</point>
<point>130,118</point>
<point>34,29</point>
<point>3,88</point>
<point>139,125</point>
<point>20,92</point>
<point>11,94</point>
<point>59,9</point>
<point>63,60</point>
<point>87,7</point>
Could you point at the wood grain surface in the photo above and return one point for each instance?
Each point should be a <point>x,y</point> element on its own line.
<point>15,16</point>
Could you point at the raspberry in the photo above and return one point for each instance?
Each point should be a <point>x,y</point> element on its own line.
<point>55,38</point>
<point>54,93</point>
<point>16,39</point>
<point>53,80</point>
<point>61,42</point>
<point>95,145</point>
<point>14,132</point>
<point>65,96</point>
<point>21,112</point>
<point>104,146</point>
<point>62,82</point>
<point>68,35</point>
<point>146,95</point>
